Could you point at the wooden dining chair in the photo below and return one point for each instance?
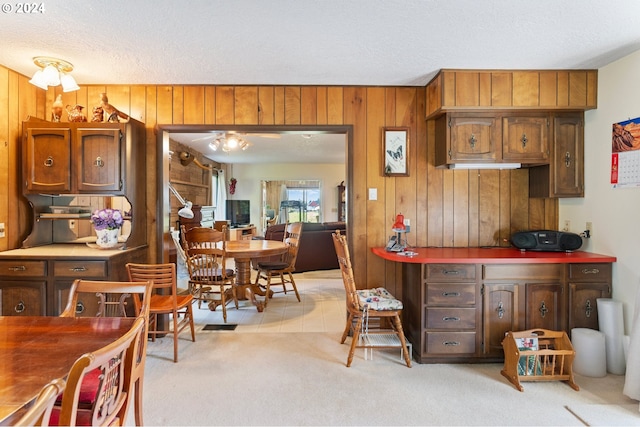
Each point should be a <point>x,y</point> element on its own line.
<point>207,265</point>
<point>165,300</point>
<point>364,305</point>
<point>113,299</point>
<point>40,412</point>
<point>281,270</point>
<point>114,383</point>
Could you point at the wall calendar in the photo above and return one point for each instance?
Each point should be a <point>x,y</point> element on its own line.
<point>625,154</point>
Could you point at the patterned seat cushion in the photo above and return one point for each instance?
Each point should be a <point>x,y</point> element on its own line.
<point>378,299</point>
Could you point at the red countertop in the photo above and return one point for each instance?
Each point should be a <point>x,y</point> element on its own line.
<point>490,256</point>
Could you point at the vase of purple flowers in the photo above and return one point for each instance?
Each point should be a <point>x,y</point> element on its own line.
<point>107,224</point>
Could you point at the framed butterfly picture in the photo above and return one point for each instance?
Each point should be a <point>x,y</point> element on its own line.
<point>396,151</point>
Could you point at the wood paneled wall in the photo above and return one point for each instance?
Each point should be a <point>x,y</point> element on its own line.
<point>446,207</point>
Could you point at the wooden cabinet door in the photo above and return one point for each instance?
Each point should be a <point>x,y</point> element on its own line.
<point>474,139</point>
<point>47,160</point>
<point>545,306</point>
<point>567,167</point>
<point>583,309</point>
<point>23,298</point>
<point>99,162</point>
<point>525,139</point>
<point>501,314</point>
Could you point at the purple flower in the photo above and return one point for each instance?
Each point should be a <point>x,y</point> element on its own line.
<point>109,219</point>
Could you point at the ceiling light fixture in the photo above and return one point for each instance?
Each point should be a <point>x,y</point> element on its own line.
<point>228,143</point>
<point>53,72</point>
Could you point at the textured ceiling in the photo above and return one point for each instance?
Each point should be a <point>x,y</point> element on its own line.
<point>300,42</point>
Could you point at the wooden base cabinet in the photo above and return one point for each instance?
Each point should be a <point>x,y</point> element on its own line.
<point>461,312</point>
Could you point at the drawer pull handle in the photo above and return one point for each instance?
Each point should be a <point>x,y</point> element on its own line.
<point>450,343</point>
<point>49,162</point>
<point>20,307</point>
<point>450,272</point>
<point>99,162</point>
<point>543,309</point>
<point>451,319</point>
<point>78,269</point>
<point>500,310</point>
<point>79,307</point>
<point>451,294</point>
<point>524,140</point>
<point>567,159</point>
<point>590,271</point>
<point>588,308</point>
<point>18,268</point>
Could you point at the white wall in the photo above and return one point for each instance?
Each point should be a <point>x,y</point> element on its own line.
<point>250,175</point>
<point>615,213</point>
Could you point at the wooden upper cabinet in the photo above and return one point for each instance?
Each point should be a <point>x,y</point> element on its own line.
<point>468,90</point>
<point>47,160</point>
<point>525,139</point>
<point>99,164</point>
<point>467,137</point>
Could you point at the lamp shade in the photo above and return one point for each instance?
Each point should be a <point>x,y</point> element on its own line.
<point>399,224</point>
<point>51,75</point>
<point>186,212</point>
<point>38,80</point>
<point>68,83</point>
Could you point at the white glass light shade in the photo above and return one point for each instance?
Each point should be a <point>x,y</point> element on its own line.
<point>51,75</point>
<point>38,80</point>
<point>186,212</point>
<point>68,83</point>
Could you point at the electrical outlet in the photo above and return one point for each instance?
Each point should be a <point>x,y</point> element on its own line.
<point>567,225</point>
<point>2,229</point>
<point>72,224</point>
<point>407,225</point>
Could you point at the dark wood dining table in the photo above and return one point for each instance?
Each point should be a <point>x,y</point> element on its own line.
<point>37,349</point>
<point>242,251</point>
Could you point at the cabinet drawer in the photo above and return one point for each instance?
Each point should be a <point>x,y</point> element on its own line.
<point>451,318</point>
<point>20,268</point>
<point>450,272</point>
<point>80,269</point>
<point>451,294</point>
<point>590,272</point>
<point>523,271</point>
<point>451,342</point>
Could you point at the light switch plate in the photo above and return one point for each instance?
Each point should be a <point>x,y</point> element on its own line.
<point>373,194</point>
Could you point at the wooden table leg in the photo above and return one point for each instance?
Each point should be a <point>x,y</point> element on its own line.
<point>245,288</point>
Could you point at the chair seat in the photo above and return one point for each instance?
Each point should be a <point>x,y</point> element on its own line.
<point>83,418</point>
<point>208,274</point>
<point>164,303</point>
<point>272,265</point>
<point>378,299</point>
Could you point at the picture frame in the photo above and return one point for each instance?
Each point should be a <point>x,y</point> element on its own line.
<point>395,151</point>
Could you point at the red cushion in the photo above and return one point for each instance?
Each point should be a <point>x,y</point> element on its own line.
<point>82,419</point>
<point>88,389</point>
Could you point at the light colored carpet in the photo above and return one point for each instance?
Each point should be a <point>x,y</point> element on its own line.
<point>298,376</point>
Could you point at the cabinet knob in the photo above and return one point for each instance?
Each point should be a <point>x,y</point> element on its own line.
<point>49,162</point>
<point>472,141</point>
<point>99,162</point>
<point>588,308</point>
<point>543,309</point>
<point>524,140</point>
<point>20,307</point>
<point>500,310</point>
<point>567,159</point>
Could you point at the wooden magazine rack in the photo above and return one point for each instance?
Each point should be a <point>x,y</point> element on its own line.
<point>538,355</point>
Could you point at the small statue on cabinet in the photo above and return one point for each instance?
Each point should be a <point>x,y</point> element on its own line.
<point>75,113</point>
<point>56,109</point>
<point>111,113</point>
<point>98,114</point>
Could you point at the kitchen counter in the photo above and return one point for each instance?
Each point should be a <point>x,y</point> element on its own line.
<point>489,256</point>
<point>64,250</point>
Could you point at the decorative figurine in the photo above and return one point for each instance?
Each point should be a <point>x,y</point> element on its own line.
<point>75,113</point>
<point>56,109</point>
<point>111,113</point>
<point>98,114</point>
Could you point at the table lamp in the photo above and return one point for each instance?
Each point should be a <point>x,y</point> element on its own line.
<point>396,243</point>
